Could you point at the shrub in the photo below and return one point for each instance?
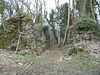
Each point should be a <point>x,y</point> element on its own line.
<point>86,25</point>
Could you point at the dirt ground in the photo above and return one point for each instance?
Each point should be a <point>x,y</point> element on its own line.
<point>51,62</point>
<point>13,64</point>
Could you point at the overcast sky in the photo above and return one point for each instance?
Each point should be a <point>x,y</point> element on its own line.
<point>51,3</point>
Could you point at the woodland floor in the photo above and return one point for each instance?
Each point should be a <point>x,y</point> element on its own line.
<point>51,62</point>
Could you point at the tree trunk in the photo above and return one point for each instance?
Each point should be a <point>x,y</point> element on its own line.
<point>84,8</point>
<point>53,29</point>
<point>91,4</point>
<point>18,41</point>
<point>59,31</point>
<point>54,33</point>
<point>74,10</point>
<point>67,24</point>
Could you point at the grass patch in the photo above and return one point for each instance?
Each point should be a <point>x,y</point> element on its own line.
<point>48,73</point>
<point>30,57</point>
<point>81,62</point>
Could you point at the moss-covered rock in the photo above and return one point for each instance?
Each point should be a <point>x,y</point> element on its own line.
<point>13,48</point>
<point>78,50</point>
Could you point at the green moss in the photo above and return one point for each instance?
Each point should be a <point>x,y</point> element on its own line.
<point>72,51</point>
<point>13,48</point>
<point>77,51</point>
<point>2,43</point>
<point>19,17</point>
<point>85,25</point>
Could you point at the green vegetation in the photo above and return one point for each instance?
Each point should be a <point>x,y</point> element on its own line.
<point>86,25</point>
<point>29,57</point>
<point>53,38</point>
